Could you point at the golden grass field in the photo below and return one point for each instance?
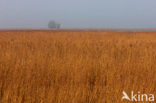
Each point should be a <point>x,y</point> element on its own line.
<point>75,67</point>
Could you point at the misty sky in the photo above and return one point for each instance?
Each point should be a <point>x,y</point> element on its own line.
<point>78,13</point>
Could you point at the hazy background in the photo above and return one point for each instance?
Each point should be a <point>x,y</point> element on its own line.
<point>78,13</point>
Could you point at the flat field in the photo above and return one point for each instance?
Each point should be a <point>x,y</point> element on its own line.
<point>75,67</point>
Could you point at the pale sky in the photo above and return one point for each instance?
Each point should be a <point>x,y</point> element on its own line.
<point>15,14</point>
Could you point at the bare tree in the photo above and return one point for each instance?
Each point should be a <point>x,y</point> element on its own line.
<point>54,25</point>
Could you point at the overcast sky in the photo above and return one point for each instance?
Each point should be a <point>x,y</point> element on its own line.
<point>78,13</point>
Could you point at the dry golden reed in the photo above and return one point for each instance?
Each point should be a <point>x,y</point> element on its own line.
<point>75,67</point>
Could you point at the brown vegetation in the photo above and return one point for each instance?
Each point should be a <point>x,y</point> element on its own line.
<point>75,67</point>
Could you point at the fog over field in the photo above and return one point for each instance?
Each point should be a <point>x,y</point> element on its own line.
<point>78,13</point>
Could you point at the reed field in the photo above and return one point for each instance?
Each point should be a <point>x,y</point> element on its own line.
<point>75,67</point>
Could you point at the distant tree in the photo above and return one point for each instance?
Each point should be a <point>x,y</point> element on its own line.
<point>54,25</point>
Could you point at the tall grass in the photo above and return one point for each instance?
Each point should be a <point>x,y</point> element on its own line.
<point>75,67</point>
